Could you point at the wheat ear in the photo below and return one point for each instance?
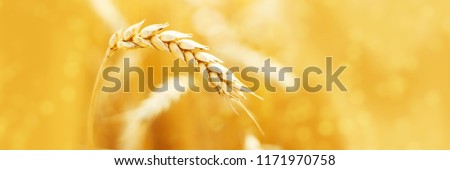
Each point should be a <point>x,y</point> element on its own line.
<point>179,45</point>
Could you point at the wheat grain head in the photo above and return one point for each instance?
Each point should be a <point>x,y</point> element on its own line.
<point>179,45</point>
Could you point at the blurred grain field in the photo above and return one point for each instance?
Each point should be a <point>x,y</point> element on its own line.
<point>396,52</point>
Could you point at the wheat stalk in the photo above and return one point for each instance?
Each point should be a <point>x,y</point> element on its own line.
<point>108,13</point>
<point>180,45</point>
<point>251,142</point>
<point>136,120</point>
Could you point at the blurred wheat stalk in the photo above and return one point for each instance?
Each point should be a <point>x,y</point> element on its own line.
<point>137,119</point>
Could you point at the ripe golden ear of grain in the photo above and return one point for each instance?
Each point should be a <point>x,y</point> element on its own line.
<point>179,45</point>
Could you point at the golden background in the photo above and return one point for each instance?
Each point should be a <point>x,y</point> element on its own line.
<point>396,52</point>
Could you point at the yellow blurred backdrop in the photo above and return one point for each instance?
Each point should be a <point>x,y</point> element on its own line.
<point>396,53</point>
